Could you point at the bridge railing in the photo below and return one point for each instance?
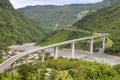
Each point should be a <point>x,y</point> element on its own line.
<point>11,60</point>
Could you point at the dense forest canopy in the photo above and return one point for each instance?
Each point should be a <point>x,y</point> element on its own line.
<point>64,69</point>
<point>15,27</point>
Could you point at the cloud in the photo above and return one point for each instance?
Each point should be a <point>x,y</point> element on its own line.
<point>23,3</point>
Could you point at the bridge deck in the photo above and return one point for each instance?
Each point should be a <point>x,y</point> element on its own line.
<point>11,60</point>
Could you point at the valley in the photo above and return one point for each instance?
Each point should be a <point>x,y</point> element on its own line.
<point>103,21</point>
<point>60,42</point>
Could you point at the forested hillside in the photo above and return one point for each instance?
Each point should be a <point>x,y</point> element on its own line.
<point>103,21</point>
<point>57,17</point>
<point>15,27</point>
<point>64,69</point>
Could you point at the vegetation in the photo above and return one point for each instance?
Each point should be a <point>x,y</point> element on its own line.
<point>64,69</point>
<point>61,36</point>
<point>15,28</point>
<point>103,21</point>
<point>57,17</point>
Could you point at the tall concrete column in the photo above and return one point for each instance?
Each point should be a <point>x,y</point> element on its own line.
<point>91,46</point>
<point>73,50</point>
<point>43,56</point>
<point>39,54</point>
<point>12,66</point>
<point>26,59</point>
<point>103,43</point>
<point>56,52</point>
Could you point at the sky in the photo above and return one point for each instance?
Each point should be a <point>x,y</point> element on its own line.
<point>23,3</point>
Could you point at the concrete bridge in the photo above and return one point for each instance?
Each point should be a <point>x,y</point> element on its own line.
<point>10,61</point>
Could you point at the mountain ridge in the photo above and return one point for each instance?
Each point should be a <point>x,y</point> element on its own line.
<point>52,16</point>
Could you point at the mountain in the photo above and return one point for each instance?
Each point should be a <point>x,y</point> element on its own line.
<point>15,27</point>
<point>103,21</point>
<point>57,17</point>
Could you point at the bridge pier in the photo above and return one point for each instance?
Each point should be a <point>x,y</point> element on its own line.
<point>73,50</point>
<point>26,59</point>
<point>43,56</point>
<point>91,46</point>
<point>56,52</point>
<point>9,61</point>
<point>39,54</point>
<point>12,65</point>
<point>103,43</point>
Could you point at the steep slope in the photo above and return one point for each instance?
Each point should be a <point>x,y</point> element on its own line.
<point>58,17</point>
<point>63,35</point>
<point>103,21</point>
<point>16,28</point>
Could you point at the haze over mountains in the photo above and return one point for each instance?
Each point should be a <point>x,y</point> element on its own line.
<point>57,17</point>
<point>15,27</point>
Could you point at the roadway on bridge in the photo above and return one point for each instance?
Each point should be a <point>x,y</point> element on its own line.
<point>66,53</point>
<point>111,60</point>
